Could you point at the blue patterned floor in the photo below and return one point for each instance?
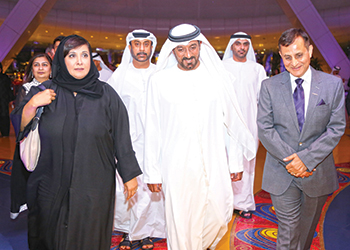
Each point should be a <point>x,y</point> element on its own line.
<point>336,226</point>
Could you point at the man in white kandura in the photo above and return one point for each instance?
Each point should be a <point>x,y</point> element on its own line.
<point>143,216</point>
<point>239,59</point>
<point>105,72</point>
<point>195,139</point>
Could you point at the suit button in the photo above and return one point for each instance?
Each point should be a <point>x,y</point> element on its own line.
<point>300,144</point>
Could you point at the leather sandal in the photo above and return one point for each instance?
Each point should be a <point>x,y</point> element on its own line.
<point>147,242</point>
<point>125,243</point>
<point>243,214</point>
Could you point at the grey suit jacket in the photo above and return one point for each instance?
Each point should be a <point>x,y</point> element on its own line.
<point>279,132</point>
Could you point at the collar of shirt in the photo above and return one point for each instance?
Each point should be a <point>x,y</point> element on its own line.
<point>28,85</point>
<point>306,85</point>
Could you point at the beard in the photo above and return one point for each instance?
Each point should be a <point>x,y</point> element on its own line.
<point>191,65</point>
<point>136,57</point>
<point>241,53</point>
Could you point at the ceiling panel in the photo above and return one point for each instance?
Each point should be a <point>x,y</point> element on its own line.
<point>105,23</point>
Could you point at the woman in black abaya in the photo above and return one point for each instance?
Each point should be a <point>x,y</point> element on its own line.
<point>37,71</point>
<point>83,129</point>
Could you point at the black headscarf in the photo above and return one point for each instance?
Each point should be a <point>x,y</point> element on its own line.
<point>89,85</point>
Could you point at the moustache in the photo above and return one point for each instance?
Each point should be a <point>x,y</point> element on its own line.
<point>141,54</point>
<point>186,58</point>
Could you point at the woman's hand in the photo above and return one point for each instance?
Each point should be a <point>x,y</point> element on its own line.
<point>130,188</point>
<point>40,99</point>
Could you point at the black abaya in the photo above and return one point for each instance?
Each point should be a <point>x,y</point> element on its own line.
<point>71,192</point>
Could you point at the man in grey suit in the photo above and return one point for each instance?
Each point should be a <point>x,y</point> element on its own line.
<point>301,118</point>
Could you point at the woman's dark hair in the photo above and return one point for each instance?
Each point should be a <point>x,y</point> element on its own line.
<point>73,43</point>
<point>28,74</point>
<point>289,36</point>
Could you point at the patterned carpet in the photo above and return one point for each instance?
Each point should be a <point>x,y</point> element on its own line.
<point>258,233</point>
<point>159,244</point>
<point>261,231</point>
<point>5,166</point>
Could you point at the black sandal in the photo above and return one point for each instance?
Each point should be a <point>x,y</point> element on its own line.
<point>243,214</point>
<point>125,242</point>
<point>147,241</point>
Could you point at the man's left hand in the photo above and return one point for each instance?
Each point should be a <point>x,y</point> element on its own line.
<point>236,176</point>
<point>296,167</point>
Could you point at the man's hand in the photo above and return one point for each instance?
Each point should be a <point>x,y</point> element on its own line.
<point>155,187</point>
<point>236,176</point>
<point>130,188</point>
<point>296,167</point>
<point>307,174</point>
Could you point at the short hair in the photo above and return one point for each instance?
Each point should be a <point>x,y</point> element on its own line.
<point>74,42</point>
<point>59,38</point>
<point>28,74</point>
<point>289,36</point>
